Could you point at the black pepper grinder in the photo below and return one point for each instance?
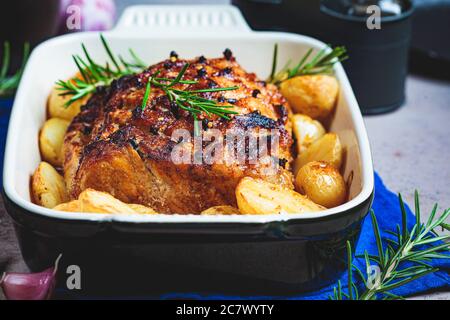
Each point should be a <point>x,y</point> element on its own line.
<point>377,36</point>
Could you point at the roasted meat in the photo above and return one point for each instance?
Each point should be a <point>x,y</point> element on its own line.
<point>115,145</point>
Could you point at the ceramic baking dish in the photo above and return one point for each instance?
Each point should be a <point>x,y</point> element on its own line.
<point>312,245</point>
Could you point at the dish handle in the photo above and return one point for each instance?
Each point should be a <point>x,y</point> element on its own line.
<point>182,19</point>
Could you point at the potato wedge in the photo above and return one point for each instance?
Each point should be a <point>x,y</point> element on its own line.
<point>328,149</point>
<point>313,95</point>
<point>101,202</point>
<point>255,196</point>
<point>217,210</point>
<point>56,104</point>
<point>306,131</point>
<point>47,186</point>
<point>322,183</point>
<point>51,139</point>
<point>71,206</point>
<point>76,206</point>
<point>138,208</point>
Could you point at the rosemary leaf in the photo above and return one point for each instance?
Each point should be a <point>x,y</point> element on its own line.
<point>404,217</point>
<point>187,99</point>
<point>349,271</point>
<point>110,54</point>
<point>8,84</point>
<point>95,75</point>
<point>321,63</point>
<point>148,90</point>
<point>6,57</point>
<point>274,62</point>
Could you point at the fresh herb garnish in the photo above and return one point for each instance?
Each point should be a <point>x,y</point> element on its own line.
<point>148,90</point>
<point>321,63</point>
<point>94,75</point>
<point>8,84</point>
<point>402,260</point>
<point>187,99</point>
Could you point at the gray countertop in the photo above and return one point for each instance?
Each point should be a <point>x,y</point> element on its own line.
<point>410,148</point>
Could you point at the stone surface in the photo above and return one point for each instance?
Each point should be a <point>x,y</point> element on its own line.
<point>411,146</point>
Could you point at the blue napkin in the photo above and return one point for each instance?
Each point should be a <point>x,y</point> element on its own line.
<point>387,211</point>
<point>5,110</point>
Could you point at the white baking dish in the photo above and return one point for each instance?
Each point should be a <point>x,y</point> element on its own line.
<point>153,31</point>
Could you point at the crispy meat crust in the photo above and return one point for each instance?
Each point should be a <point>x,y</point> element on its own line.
<point>115,146</point>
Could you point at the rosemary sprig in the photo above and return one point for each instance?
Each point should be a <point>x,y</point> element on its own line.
<point>187,99</point>
<point>403,259</point>
<point>94,75</point>
<point>321,63</point>
<point>8,84</point>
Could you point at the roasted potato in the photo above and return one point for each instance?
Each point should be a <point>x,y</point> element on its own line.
<point>56,104</point>
<point>51,139</point>
<point>47,186</point>
<point>138,208</point>
<point>255,196</point>
<point>322,183</point>
<point>220,210</point>
<point>71,206</point>
<point>94,202</point>
<point>306,131</point>
<point>101,202</point>
<point>328,148</point>
<point>313,95</point>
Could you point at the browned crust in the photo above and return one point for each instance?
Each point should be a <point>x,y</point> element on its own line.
<point>114,146</point>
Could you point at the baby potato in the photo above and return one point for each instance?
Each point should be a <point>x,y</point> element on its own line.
<point>56,105</point>
<point>47,186</point>
<point>306,131</point>
<point>328,149</point>
<point>220,210</point>
<point>313,95</point>
<point>51,139</point>
<point>322,183</point>
<point>256,196</point>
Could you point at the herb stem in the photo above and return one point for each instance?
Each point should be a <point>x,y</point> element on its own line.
<point>95,75</point>
<point>8,84</point>
<point>187,99</point>
<point>321,63</point>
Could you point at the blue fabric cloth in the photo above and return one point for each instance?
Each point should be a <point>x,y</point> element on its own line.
<point>387,211</point>
<point>5,110</point>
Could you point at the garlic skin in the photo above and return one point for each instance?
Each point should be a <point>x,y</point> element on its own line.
<point>30,286</point>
